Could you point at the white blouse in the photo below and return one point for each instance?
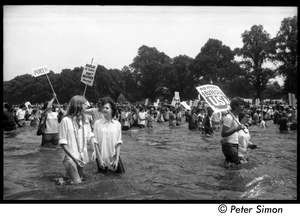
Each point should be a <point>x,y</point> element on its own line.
<point>108,135</point>
<point>52,124</point>
<point>244,139</point>
<point>70,134</point>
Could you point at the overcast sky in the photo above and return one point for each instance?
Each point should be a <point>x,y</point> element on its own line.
<point>70,36</point>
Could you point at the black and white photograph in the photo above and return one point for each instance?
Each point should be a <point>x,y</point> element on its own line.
<point>137,103</point>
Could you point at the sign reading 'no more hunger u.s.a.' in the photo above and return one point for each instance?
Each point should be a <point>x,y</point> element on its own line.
<point>215,97</point>
<point>88,74</point>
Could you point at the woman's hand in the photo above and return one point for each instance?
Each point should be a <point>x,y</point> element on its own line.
<point>78,162</point>
<point>102,164</point>
<point>115,164</point>
<point>93,156</point>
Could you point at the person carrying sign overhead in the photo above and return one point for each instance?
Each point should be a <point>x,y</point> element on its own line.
<point>51,137</point>
<point>231,126</point>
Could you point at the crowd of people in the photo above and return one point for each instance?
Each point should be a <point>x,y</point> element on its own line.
<point>79,123</point>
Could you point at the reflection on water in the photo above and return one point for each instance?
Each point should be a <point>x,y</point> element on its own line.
<point>161,164</point>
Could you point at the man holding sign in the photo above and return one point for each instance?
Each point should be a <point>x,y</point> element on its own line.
<point>231,126</point>
<point>218,101</point>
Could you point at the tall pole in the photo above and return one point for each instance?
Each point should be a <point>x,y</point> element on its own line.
<point>52,89</point>
<point>86,84</point>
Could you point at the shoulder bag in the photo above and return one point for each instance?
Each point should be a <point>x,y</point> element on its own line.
<point>42,126</point>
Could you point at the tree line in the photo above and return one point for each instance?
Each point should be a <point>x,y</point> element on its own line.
<point>154,75</point>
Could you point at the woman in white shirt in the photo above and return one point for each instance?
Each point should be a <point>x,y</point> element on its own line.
<point>142,116</point>
<point>243,138</point>
<point>20,115</point>
<point>108,140</point>
<point>50,137</point>
<point>125,118</point>
<point>74,133</point>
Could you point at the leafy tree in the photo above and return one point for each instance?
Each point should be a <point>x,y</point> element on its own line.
<point>178,77</point>
<point>148,67</point>
<point>131,87</point>
<point>212,63</point>
<point>215,65</point>
<point>287,52</point>
<point>257,49</point>
<point>273,91</point>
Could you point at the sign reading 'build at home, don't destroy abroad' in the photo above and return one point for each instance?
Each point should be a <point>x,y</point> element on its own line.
<point>88,74</point>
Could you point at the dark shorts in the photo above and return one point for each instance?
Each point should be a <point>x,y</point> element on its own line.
<point>230,151</point>
<point>50,139</point>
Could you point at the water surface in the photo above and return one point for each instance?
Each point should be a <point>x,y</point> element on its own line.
<point>162,163</point>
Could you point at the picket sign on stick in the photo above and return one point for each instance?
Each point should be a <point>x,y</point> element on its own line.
<point>88,75</point>
<point>216,99</point>
<point>42,71</point>
<point>185,105</point>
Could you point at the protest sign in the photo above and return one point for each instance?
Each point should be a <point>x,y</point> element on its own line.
<point>292,100</point>
<point>88,74</point>
<point>215,97</point>
<point>146,101</point>
<point>42,71</point>
<point>175,102</point>
<point>39,71</point>
<point>185,105</point>
<point>257,102</point>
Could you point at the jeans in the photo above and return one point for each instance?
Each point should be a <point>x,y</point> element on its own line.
<point>230,151</point>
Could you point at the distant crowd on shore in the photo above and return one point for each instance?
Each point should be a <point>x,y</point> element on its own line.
<point>139,115</point>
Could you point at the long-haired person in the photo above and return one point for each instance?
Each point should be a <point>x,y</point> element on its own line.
<point>50,137</point>
<point>108,140</point>
<point>75,131</point>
